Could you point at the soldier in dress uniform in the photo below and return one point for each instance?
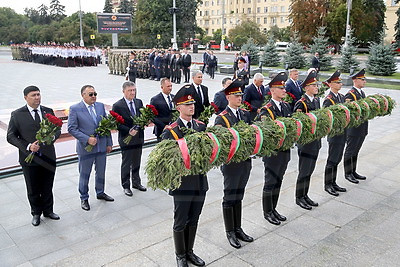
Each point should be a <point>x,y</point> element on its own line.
<point>336,143</point>
<point>235,174</point>
<point>190,195</point>
<point>355,135</point>
<point>275,166</point>
<point>132,65</point>
<point>242,73</point>
<point>308,153</point>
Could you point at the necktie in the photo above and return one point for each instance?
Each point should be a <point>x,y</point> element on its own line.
<point>237,114</point>
<point>189,125</point>
<point>37,117</point>
<point>132,109</point>
<point>169,102</point>
<point>298,86</point>
<point>91,111</point>
<point>362,94</point>
<point>259,92</point>
<point>199,92</point>
<point>281,108</point>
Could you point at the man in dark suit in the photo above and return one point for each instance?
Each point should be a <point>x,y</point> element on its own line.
<point>157,65</point>
<point>39,174</point>
<point>128,107</point>
<point>254,94</point>
<point>236,174</point>
<point>190,195</point>
<point>308,153</point>
<point>220,97</point>
<point>164,105</point>
<point>242,73</point>
<point>151,64</point>
<point>355,135</point>
<point>315,63</point>
<point>83,119</point>
<point>293,85</point>
<point>205,60</point>
<point>186,63</point>
<point>275,166</point>
<point>199,92</point>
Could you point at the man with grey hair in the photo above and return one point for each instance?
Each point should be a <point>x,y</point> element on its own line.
<point>129,107</point>
<point>199,92</point>
<point>293,85</point>
<point>254,94</point>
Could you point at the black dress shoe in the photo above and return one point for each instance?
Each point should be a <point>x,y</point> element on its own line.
<point>36,220</point>
<point>331,190</point>
<point>270,217</point>
<point>194,259</point>
<point>52,216</point>
<point>105,197</point>
<point>231,235</point>
<point>310,202</point>
<point>139,187</point>
<point>358,176</point>
<point>128,192</point>
<point>350,178</point>
<point>338,188</point>
<point>303,204</point>
<point>181,261</point>
<point>279,216</point>
<point>240,234</point>
<point>85,204</point>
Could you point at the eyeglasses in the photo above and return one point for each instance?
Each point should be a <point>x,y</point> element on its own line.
<point>92,94</point>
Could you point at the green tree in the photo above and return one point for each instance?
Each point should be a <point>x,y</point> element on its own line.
<point>186,19</point>
<point>32,14</point>
<point>294,57</point>
<point>279,34</point>
<point>126,6</point>
<point>253,51</point>
<point>107,7</point>
<point>13,26</point>
<point>381,59</point>
<point>44,17</point>
<point>217,36</point>
<point>320,46</point>
<point>57,11</point>
<point>270,56</point>
<point>397,27</point>
<point>347,60</point>
<point>245,30</point>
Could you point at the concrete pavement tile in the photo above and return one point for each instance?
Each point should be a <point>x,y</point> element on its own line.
<point>360,198</point>
<point>15,220</point>
<point>137,212</point>
<point>229,260</point>
<point>52,257</point>
<point>25,264</point>
<point>27,232</point>
<point>5,241</point>
<point>75,233</point>
<point>134,259</point>
<point>12,256</point>
<point>109,222</point>
<point>8,197</point>
<point>154,219</point>
<point>391,257</point>
<point>381,186</point>
<point>89,243</point>
<point>39,246</point>
<point>123,231</point>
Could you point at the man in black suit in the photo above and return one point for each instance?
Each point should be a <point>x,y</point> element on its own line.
<point>164,105</point>
<point>220,97</point>
<point>293,85</point>
<point>236,174</point>
<point>186,63</point>
<point>199,92</point>
<point>355,135</point>
<point>39,174</point>
<point>190,195</point>
<point>254,94</point>
<point>128,107</point>
<point>315,63</point>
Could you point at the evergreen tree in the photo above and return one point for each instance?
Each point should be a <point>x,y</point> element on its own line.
<point>397,27</point>
<point>320,46</point>
<point>253,51</point>
<point>270,57</point>
<point>57,11</point>
<point>347,60</point>
<point>107,7</point>
<point>126,6</point>
<point>44,17</point>
<point>381,59</point>
<point>294,58</point>
<point>186,19</point>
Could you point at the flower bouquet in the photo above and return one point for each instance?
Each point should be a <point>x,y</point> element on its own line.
<point>147,115</point>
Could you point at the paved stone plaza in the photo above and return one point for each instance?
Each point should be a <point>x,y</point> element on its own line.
<point>358,228</point>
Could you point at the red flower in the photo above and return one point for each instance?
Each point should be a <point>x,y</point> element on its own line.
<point>269,93</point>
<point>153,109</point>
<point>247,104</point>
<point>216,109</point>
<point>54,120</point>
<point>120,120</point>
<point>114,114</point>
<point>291,95</point>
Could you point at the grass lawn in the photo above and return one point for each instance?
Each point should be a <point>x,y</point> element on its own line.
<point>383,86</point>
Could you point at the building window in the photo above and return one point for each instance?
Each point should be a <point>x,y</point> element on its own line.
<point>258,20</point>
<point>282,9</point>
<point>282,19</point>
<point>249,1</point>
<point>273,21</point>
<point>265,9</point>
<point>217,21</point>
<point>200,13</point>
<point>249,10</point>
<point>206,3</point>
<point>212,12</point>
<point>258,9</point>
<point>265,20</point>
<point>212,30</point>
<point>206,13</point>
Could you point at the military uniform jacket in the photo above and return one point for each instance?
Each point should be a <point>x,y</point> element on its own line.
<point>272,111</point>
<point>191,184</point>
<point>244,75</point>
<point>361,130</point>
<point>332,99</point>
<point>227,119</point>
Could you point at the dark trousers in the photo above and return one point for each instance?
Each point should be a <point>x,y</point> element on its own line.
<point>308,155</point>
<point>132,76</point>
<point>353,146</point>
<point>335,153</point>
<point>274,169</point>
<point>186,74</point>
<point>211,72</point>
<point>236,176</point>
<point>39,186</point>
<point>130,165</point>
<point>187,210</point>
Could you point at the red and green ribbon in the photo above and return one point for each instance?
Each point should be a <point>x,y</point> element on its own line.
<point>376,101</point>
<point>386,102</point>
<point>259,139</point>
<point>314,120</point>
<point>332,118</point>
<point>299,129</point>
<point>367,107</point>
<point>234,144</point>
<point>358,108</point>
<point>216,147</point>
<point>185,152</point>
<point>283,126</point>
<point>347,111</point>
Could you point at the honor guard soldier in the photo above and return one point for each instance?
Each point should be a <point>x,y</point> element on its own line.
<point>242,73</point>
<point>275,166</point>
<point>355,135</point>
<point>336,143</point>
<point>308,153</point>
<point>190,195</point>
<point>235,174</point>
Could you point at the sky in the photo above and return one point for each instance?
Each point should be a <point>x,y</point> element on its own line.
<point>71,6</point>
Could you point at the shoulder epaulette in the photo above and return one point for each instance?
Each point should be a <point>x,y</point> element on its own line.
<point>172,125</point>
<point>268,105</point>
<point>199,122</point>
<point>329,96</point>
<point>243,109</point>
<point>223,113</point>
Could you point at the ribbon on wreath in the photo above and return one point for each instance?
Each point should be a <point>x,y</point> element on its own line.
<point>283,126</point>
<point>314,120</point>
<point>367,108</point>
<point>347,111</point>
<point>386,102</point>
<point>259,139</point>
<point>234,144</point>
<point>358,109</point>
<point>332,118</point>
<point>299,129</point>
<point>185,152</point>
<point>216,147</point>
<point>376,102</point>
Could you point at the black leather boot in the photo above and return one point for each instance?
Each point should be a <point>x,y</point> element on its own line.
<point>230,227</point>
<point>179,242</point>
<point>329,171</point>
<point>300,193</point>
<point>190,234</point>
<point>275,197</point>
<point>237,217</point>
<point>334,184</point>
<point>355,174</point>
<point>348,171</point>
<point>267,204</point>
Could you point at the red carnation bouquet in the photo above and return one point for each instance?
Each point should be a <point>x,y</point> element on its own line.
<point>48,129</point>
<point>246,105</point>
<point>147,115</point>
<point>106,125</point>
<point>289,97</point>
<point>208,111</point>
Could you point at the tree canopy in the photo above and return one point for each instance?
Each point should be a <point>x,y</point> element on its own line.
<point>245,30</point>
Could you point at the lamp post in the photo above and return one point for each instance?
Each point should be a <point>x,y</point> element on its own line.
<point>81,43</point>
<point>222,46</point>
<point>174,10</point>
<point>349,3</point>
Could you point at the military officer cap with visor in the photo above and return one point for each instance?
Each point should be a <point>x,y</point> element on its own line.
<point>235,88</point>
<point>184,96</point>
<point>279,80</point>
<point>358,75</point>
<point>310,79</point>
<point>335,77</point>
